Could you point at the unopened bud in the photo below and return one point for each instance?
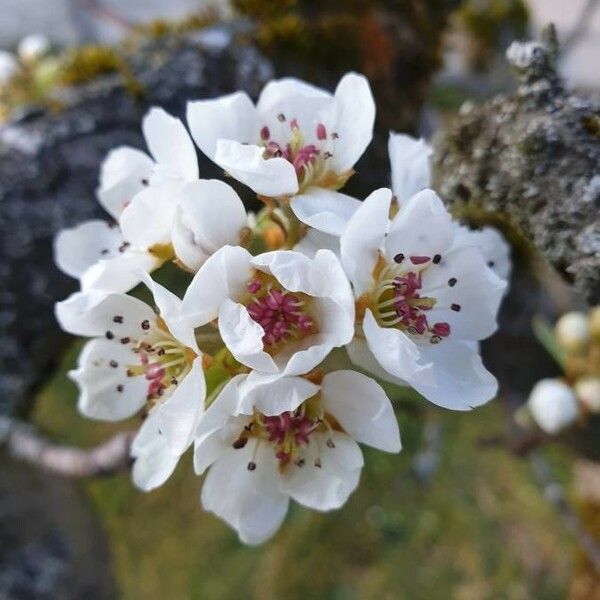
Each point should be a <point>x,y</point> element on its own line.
<point>588,392</point>
<point>33,47</point>
<point>553,405</point>
<point>573,331</point>
<point>594,322</point>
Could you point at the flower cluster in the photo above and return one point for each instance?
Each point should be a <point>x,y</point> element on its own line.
<point>557,403</point>
<point>237,367</point>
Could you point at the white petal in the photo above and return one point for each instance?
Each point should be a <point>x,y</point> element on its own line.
<point>355,119</point>
<point>362,408</point>
<point>491,244</point>
<point>360,356</point>
<point>210,215</point>
<point>243,337</point>
<point>170,145</point>
<point>224,275</point>
<point>363,238</point>
<point>148,219</point>
<point>245,162</point>
<point>281,90</point>
<point>422,227</point>
<point>106,392</point>
<point>124,172</point>
<point>326,487</point>
<point>325,210</point>
<point>154,462</point>
<point>314,240</point>
<point>179,414</point>
<point>396,352</point>
<point>477,292</point>
<point>78,248</point>
<point>410,164</point>
<point>461,380</point>
<point>222,408</point>
<point>171,310</point>
<point>231,117</point>
<point>93,313</point>
<point>272,394</point>
<point>121,273</point>
<point>248,501</point>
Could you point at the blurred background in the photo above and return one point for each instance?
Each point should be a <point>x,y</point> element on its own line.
<point>468,511</point>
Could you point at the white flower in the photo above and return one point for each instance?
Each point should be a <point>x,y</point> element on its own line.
<point>573,331</point>
<point>32,47</point>
<point>163,210</point>
<point>410,162</point>
<point>587,390</point>
<point>553,405</point>
<point>9,67</point>
<point>279,312</point>
<point>268,440</point>
<point>298,139</point>
<point>423,302</point>
<point>139,358</point>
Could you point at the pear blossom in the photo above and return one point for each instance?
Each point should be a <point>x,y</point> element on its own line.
<point>266,440</point>
<point>298,140</point>
<point>422,302</point>
<point>553,405</point>
<point>278,312</point>
<point>139,359</point>
<point>410,163</point>
<point>163,211</point>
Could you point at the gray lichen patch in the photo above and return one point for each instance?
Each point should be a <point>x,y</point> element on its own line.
<point>532,158</point>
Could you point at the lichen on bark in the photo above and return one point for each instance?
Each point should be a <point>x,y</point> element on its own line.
<point>531,159</point>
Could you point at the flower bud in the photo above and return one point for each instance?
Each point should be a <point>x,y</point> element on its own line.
<point>594,322</point>
<point>8,67</point>
<point>32,47</point>
<point>553,405</point>
<point>573,331</point>
<point>588,392</point>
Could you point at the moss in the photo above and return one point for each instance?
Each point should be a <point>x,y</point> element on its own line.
<point>163,27</point>
<point>90,62</point>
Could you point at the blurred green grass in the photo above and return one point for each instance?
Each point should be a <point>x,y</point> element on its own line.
<point>479,530</point>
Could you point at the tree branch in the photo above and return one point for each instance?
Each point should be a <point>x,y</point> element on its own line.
<point>24,443</point>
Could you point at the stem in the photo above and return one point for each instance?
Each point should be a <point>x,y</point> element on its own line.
<point>294,229</point>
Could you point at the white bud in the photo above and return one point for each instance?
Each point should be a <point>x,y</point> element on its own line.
<point>594,321</point>
<point>9,67</point>
<point>32,47</point>
<point>553,405</point>
<point>573,331</point>
<point>588,392</point>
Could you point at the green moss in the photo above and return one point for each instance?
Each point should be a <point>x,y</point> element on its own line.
<point>480,529</point>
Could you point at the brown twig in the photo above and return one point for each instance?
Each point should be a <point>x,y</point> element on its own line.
<point>24,443</point>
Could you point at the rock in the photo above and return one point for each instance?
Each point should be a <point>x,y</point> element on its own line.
<point>48,173</point>
<point>532,159</point>
<point>51,543</point>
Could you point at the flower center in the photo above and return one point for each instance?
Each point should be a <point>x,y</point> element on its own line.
<point>284,316</point>
<point>398,299</point>
<point>288,434</point>
<point>310,160</point>
<point>163,360</point>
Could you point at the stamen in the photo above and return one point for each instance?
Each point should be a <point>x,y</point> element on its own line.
<point>452,281</point>
<point>419,260</point>
<point>265,134</point>
<point>455,307</point>
<point>321,132</point>
<point>118,319</point>
<point>436,259</point>
<point>399,258</point>
<point>145,324</point>
<point>109,335</point>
